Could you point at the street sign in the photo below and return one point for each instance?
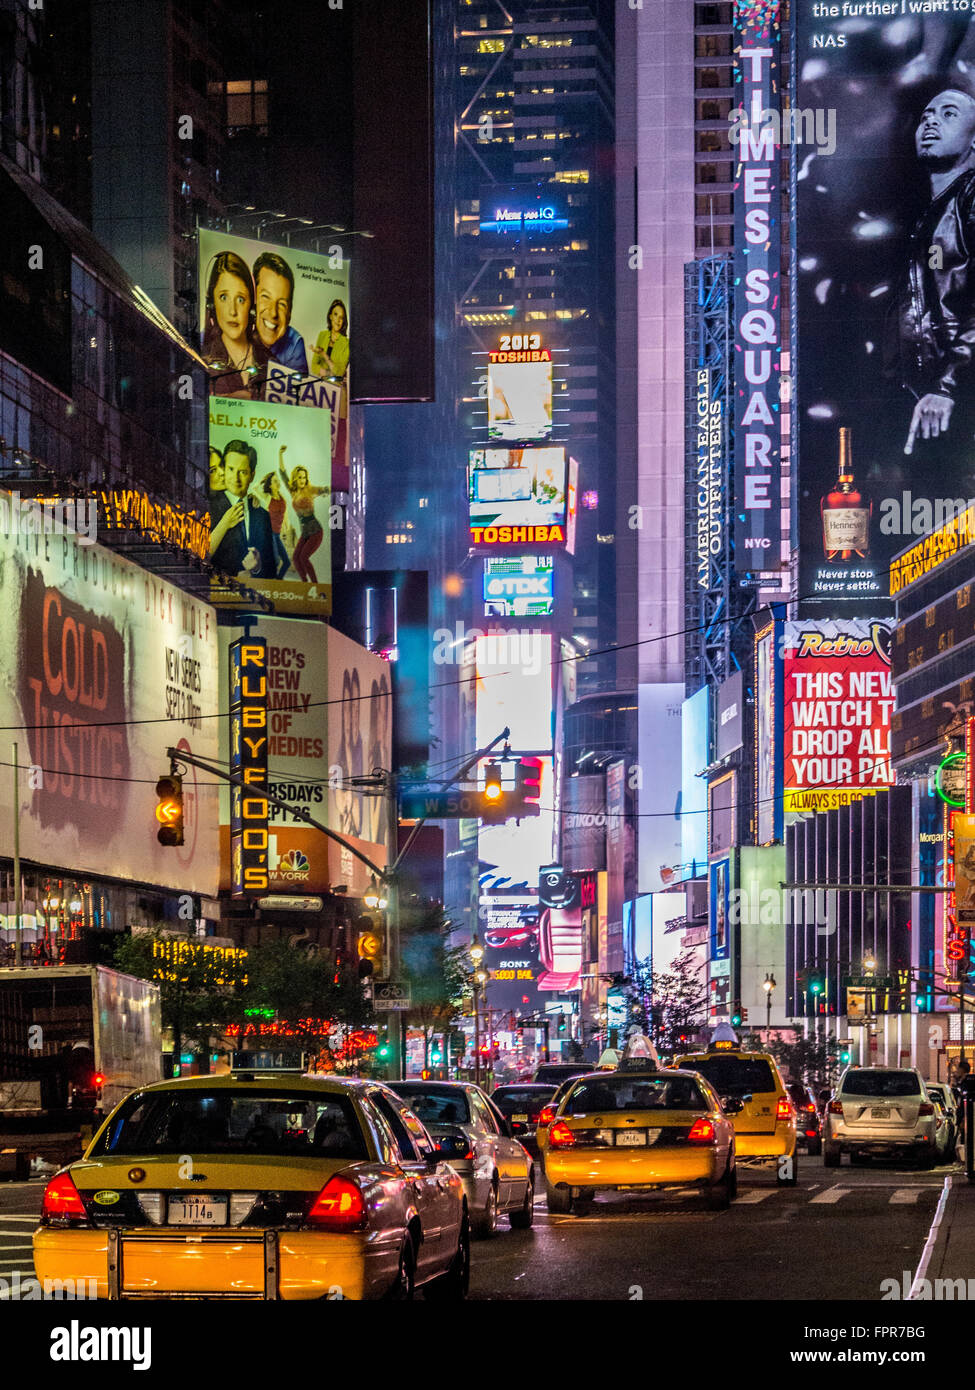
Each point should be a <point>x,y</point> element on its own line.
<point>456,805</point>
<point>283,903</point>
<point>391,994</point>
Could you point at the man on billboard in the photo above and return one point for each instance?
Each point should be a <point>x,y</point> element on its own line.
<point>241,540</point>
<point>932,325</point>
<point>274,287</point>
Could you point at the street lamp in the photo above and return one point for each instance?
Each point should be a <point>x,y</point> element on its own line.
<point>768,986</point>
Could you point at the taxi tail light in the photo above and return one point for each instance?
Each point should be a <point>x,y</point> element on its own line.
<point>925,1108</point>
<point>546,1115</point>
<point>560,1136</point>
<point>62,1198</point>
<point>701,1132</point>
<point>835,1107</point>
<point>783,1111</point>
<point>810,1108</point>
<point>338,1207</point>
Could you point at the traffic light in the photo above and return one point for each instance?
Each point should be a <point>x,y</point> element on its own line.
<point>561,1023</point>
<point>802,980</point>
<point>744,1015</point>
<point>816,982</point>
<point>169,810</point>
<point>383,1051</point>
<point>528,786</point>
<point>369,945</point>
<point>736,1016</point>
<point>844,1055</point>
<point>495,803</point>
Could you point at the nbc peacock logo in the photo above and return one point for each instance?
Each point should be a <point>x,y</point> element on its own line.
<point>293,867</point>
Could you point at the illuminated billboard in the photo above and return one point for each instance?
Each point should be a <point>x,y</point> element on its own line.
<point>519,388</point>
<point>274,326</point>
<point>768,735</point>
<point>508,927</point>
<point>360,734</point>
<point>270,491</point>
<point>884,295</point>
<point>838,699</point>
<point>519,586</point>
<point>511,852</point>
<point>517,496</point>
<point>758,290</point>
<point>108,665</point>
<point>514,689</point>
<point>512,211</point>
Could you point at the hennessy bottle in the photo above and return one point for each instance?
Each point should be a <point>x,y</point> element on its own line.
<point>846,514</point>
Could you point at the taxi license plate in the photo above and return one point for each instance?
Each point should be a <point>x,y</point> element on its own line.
<point>880,1112</point>
<point>197,1211</point>
<point>630,1138</point>
<point>520,1119</point>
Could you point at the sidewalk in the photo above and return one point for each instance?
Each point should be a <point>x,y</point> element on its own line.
<point>952,1245</point>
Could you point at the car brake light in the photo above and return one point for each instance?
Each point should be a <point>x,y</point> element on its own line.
<point>836,1107</point>
<point>810,1108</point>
<point>810,1134</point>
<point>925,1108</point>
<point>783,1111</point>
<point>701,1132</point>
<point>546,1116</point>
<point>62,1198</point>
<point>338,1207</point>
<point>560,1136</point>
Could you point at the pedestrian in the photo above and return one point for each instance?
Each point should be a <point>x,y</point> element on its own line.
<point>964,1090</point>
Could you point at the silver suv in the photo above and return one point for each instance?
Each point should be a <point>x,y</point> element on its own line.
<point>880,1110</point>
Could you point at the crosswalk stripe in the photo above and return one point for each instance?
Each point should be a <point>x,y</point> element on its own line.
<point>905,1195</point>
<point>752,1197</point>
<point>831,1194</point>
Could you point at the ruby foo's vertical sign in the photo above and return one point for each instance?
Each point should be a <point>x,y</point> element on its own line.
<point>757,300</point>
<point>248,761</point>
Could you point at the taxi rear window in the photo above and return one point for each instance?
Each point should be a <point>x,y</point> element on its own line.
<point>736,1075</point>
<point>635,1093</point>
<point>299,1125</point>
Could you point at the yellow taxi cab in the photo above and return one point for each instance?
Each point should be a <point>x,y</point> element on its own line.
<point>258,1186</point>
<point>639,1128</point>
<point>765,1119</point>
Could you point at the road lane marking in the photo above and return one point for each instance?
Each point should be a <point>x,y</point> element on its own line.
<point>831,1194</point>
<point>905,1195</point>
<point>749,1199</point>
<point>929,1243</point>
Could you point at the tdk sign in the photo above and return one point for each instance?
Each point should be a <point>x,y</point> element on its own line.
<point>499,586</point>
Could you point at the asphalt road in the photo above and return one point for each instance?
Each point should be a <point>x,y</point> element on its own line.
<point>835,1236</point>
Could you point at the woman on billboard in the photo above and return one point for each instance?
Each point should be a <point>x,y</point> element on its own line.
<point>277,509</point>
<point>234,353</point>
<point>331,355</point>
<point>303,501</point>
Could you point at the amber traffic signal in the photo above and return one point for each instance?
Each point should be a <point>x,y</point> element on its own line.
<point>169,810</point>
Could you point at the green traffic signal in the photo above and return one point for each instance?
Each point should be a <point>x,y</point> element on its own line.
<point>736,1020</point>
<point>383,1051</point>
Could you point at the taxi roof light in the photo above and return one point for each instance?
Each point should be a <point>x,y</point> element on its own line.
<point>339,1206</point>
<point>723,1039</point>
<point>62,1198</point>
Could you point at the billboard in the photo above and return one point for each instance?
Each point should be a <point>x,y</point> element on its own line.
<point>757,324</point>
<point>584,822</point>
<point>359,740</point>
<point>519,388</point>
<point>263,305</point>
<point>708,438</point>
<point>270,511</point>
<point>768,736</point>
<point>508,926</point>
<point>510,853</point>
<point>517,496</point>
<point>568,911</point>
<point>507,214</point>
<point>107,666</point>
<point>519,586</point>
<point>514,689</point>
<point>884,292</point>
<point>838,703</point>
<point>660,847</point>
<point>248,761</point>
<point>729,731</point>
<point>695,733</point>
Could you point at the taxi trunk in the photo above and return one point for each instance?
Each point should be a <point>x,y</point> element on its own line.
<point>219,1227</point>
<point>632,1149</point>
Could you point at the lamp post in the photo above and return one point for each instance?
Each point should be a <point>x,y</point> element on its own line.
<point>477,955</point>
<point>768,986</point>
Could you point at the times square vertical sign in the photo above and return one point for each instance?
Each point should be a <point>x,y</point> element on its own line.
<point>249,845</point>
<point>757,300</point>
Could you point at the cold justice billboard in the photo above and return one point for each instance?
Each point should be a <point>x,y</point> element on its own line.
<point>838,700</point>
<point>885,289</point>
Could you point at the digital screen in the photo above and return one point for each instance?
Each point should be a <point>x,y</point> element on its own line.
<point>519,398</point>
<point>518,587</point>
<point>884,292</point>
<point>511,852</point>
<point>695,728</point>
<point>270,499</point>
<point>839,700</point>
<point>514,689</point>
<point>517,490</point>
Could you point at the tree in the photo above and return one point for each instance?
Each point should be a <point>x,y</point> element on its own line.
<point>439,976</point>
<point>668,1004</point>
<point>813,1059</point>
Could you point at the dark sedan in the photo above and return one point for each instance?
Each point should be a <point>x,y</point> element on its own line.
<point>522,1104</point>
<point>808,1123</point>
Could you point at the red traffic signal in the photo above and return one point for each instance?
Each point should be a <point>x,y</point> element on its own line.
<point>528,785</point>
<point>169,810</point>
